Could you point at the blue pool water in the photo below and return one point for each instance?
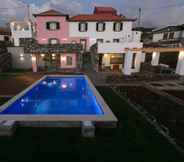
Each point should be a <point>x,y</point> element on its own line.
<point>57,95</point>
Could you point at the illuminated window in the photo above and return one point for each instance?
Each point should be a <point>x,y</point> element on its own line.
<point>69,60</point>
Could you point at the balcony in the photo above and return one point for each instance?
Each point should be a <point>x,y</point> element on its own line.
<point>117,47</point>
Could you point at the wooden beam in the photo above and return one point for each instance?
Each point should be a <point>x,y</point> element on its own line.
<point>157,49</point>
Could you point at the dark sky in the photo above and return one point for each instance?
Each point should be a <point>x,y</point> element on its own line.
<point>154,12</point>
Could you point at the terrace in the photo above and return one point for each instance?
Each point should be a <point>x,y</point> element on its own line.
<point>134,136</point>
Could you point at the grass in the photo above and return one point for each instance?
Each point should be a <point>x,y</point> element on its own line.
<point>133,141</point>
<point>3,100</point>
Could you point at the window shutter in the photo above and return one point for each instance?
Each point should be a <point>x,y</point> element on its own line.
<point>103,26</point>
<point>79,26</point>
<point>114,27</point>
<point>48,25</point>
<point>86,25</point>
<point>96,26</point>
<point>121,26</point>
<point>58,25</point>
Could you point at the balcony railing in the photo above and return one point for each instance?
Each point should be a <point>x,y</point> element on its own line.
<point>117,47</point>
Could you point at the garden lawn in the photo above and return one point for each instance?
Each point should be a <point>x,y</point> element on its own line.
<point>134,140</point>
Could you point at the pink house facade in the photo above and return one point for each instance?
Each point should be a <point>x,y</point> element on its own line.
<point>57,50</point>
<point>52,25</point>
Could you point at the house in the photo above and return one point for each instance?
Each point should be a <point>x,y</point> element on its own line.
<point>112,33</point>
<point>53,48</point>
<point>146,33</point>
<point>169,36</point>
<point>60,40</point>
<point>5,34</point>
<point>20,29</point>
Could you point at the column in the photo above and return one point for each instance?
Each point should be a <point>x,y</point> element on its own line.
<point>143,57</point>
<point>34,63</point>
<point>128,63</point>
<point>180,64</point>
<point>155,58</point>
<point>138,60</point>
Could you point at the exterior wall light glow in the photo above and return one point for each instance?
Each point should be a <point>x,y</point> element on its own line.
<point>63,58</point>
<point>33,58</point>
<point>53,55</point>
<point>64,39</point>
<point>42,55</point>
<point>21,58</point>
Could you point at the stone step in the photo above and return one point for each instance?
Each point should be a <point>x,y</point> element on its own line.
<point>7,127</point>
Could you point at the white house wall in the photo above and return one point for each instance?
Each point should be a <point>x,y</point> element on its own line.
<point>117,47</point>
<point>157,37</point>
<point>2,37</point>
<point>107,35</point>
<point>16,61</point>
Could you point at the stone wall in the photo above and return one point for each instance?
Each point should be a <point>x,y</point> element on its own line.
<point>31,46</point>
<point>20,60</point>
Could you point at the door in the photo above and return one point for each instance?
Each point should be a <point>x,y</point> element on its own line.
<point>84,44</point>
<point>68,61</point>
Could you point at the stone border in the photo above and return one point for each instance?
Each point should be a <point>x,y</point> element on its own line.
<point>108,116</point>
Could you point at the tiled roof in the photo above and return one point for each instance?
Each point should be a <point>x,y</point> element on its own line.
<point>104,10</point>
<point>101,14</point>
<point>50,13</point>
<point>4,31</point>
<point>99,17</point>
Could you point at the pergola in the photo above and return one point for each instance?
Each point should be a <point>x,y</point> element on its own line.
<point>155,51</point>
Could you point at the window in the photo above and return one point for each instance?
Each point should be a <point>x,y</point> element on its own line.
<point>133,60</point>
<point>99,40</point>
<point>116,60</point>
<point>69,60</point>
<point>171,35</point>
<point>118,26</point>
<point>53,25</point>
<point>53,41</point>
<point>83,27</point>
<point>100,27</point>
<point>165,36</point>
<point>6,38</point>
<point>116,40</point>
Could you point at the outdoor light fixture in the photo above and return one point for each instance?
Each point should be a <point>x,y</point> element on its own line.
<point>21,58</point>
<point>53,55</point>
<point>21,55</point>
<point>64,39</point>
<point>42,55</point>
<point>12,23</point>
<point>33,58</point>
<point>63,58</point>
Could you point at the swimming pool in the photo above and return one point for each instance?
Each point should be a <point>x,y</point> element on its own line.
<point>58,98</point>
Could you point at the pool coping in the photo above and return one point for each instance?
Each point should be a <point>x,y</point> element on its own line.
<point>108,115</point>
